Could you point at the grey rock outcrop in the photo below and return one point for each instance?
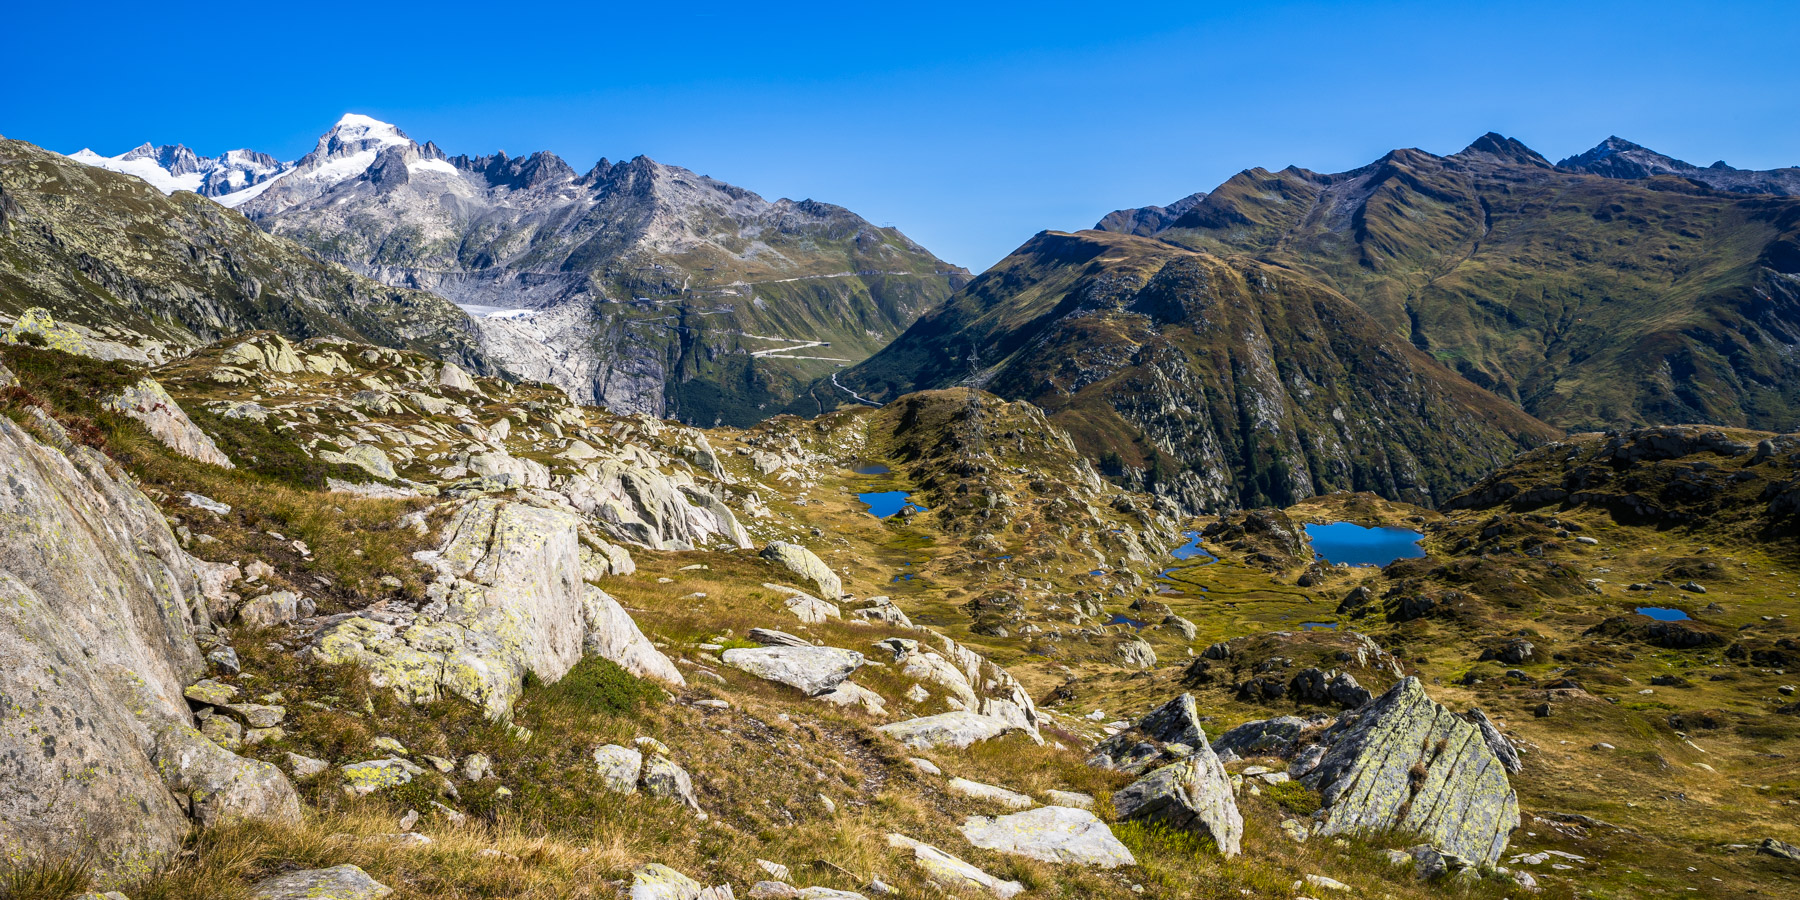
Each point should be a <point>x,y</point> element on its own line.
<point>1170,732</point>
<point>1264,737</point>
<point>1194,794</point>
<point>99,612</point>
<point>344,882</point>
<point>1503,749</point>
<point>508,599</point>
<point>1404,763</point>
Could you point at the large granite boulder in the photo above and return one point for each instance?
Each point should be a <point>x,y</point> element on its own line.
<point>1057,834</point>
<point>1194,795</point>
<point>957,729</point>
<point>508,599</point>
<point>99,614</point>
<point>1404,763</point>
<point>806,564</point>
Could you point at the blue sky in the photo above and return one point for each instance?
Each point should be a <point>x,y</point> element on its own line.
<point>970,126</point>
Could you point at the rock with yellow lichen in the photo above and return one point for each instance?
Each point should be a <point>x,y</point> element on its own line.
<point>509,598</point>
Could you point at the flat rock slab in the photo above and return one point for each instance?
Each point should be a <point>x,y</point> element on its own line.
<point>336,883</point>
<point>1057,834</point>
<point>951,873</point>
<point>952,729</point>
<point>978,791</point>
<point>811,670</point>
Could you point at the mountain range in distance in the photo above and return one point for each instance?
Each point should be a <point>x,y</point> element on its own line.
<point>637,285</point>
<point>1238,347</point>
<point>1401,327</point>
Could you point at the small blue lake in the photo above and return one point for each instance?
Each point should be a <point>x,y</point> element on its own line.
<point>886,503</point>
<point>1122,619</point>
<point>1352,544</point>
<point>870,468</point>
<point>1192,549</point>
<point>1662,613</point>
<point>1319,626</point>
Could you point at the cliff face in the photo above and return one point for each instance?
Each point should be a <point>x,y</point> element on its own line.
<point>99,612</point>
<point>1219,382</point>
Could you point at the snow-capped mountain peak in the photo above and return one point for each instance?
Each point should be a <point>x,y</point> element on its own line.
<point>173,167</point>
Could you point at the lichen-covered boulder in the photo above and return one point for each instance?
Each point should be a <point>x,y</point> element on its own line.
<point>618,767</point>
<point>368,457</point>
<point>158,412</point>
<point>811,670</point>
<point>1057,834</point>
<point>99,614</point>
<point>957,729</point>
<point>267,352</point>
<point>218,785</point>
<point>806,564</point>
<point>362,778</point>
<point>1194,795</point>
<point>1404,763</point>
<point>655,881</point>
<point>508,599</point>
<point>336,883</point>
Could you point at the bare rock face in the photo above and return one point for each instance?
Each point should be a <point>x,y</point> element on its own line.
<point>152,406</point>
<point>99,609</point>
<point>509,599</point>
<point>1404,763</point>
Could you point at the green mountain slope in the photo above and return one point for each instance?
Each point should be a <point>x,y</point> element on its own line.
<point>143,275</point>
<point>1216,381</point>
<point>1592,302</point>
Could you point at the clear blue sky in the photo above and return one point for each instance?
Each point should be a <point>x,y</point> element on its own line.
<point>970,125</point>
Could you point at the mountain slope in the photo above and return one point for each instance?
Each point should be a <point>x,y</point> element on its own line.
<point>1220,382</point>
<point>639,285</point>
<point>1592,302</point>
<point>142,273</point>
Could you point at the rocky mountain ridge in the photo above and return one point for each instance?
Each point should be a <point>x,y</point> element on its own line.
<point>639,285</point>
<point>1589,301</point>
